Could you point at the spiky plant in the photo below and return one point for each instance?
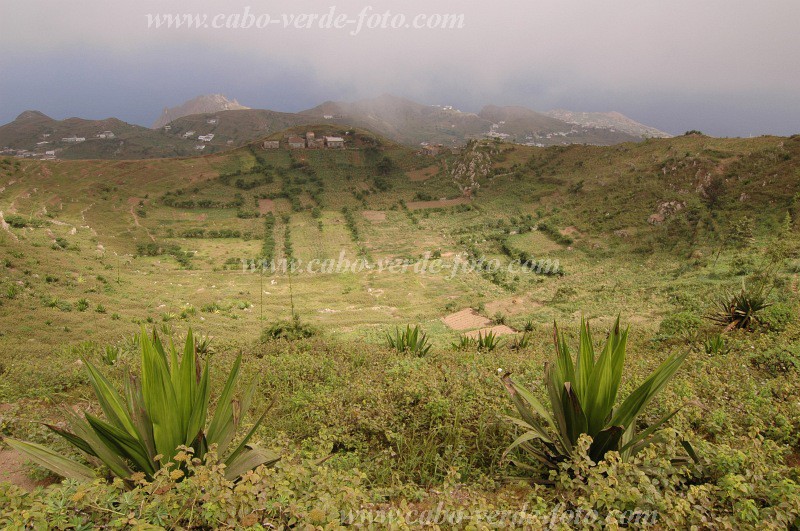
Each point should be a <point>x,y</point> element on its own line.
<point>520,342</point>
<point>715,345</point>
<point>465,343</point>
<point>412,340</point>
<point>166,408</point>
<point>488,342</point>
<point>740,310</point>
<point>583,400</point>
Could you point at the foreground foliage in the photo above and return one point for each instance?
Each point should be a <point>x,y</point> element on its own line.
<point>167,409</point>
<point>583,396</point>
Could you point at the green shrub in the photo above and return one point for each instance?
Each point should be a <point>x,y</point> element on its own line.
<point>288,330</point>
<point>82,305</point>
<point>776,318</point>
<point>778,360</point>
<point>681,324</point>
<point>156,415</point>
<point>583,396</point>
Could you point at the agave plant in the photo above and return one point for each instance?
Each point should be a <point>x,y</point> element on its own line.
<point>487,342</point>
<point>465,343</point>
<point>146,424</point>
<point>412,340</point>
<point>716,345</point>
<point>520,342</point>
<point>740,310</point>
<point>583,400</point>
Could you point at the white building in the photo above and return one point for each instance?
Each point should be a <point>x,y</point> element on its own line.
<point>74,139</point>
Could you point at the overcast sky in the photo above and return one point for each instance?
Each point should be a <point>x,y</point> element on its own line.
<point>726,67</point>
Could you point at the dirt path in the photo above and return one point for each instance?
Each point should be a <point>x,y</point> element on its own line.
<point>12,470</point>
<point>133,201</point>
<point>6,227</point>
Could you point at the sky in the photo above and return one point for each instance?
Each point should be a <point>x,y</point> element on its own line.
<point>727,68</point>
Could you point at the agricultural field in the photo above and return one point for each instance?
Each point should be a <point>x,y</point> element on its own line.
<point>498,241</point>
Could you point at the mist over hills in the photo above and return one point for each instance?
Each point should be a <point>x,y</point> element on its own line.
<point>224,123</point>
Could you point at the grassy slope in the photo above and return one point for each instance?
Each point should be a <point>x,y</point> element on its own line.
<point>618,263</point>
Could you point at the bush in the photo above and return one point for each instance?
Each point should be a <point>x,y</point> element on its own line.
<point>681,324</point>
<point>288,330</point>
<point>777,317</point>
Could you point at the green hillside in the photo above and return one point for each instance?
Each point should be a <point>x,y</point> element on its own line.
<point>654,232</point>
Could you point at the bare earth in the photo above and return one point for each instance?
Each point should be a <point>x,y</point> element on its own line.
<point>266,205</point>
<point>374,215</point>
<point>465,320</point>
<point>499,330</point>
<point>418,205</point>
<point>12,470</point>
<point>423,174</point>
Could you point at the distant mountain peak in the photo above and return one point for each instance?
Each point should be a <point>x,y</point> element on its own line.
<point>31,115</point>
<point>208,103</point>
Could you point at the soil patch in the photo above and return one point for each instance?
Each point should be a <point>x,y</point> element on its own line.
<point>374,215</point>
<point>422,174</point>
<point>266,205</point>
<point>465,320</point>
<point>499,330</point>
<point>419,205</point>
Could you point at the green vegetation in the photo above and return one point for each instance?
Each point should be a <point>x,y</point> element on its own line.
<point>583,401</point>
<point>160,422</point>
<point>360,425</point>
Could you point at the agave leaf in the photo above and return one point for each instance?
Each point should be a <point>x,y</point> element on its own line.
<point>605,441</point>
<point>159,398</point>
<point>197,420</point>
<point>110,401</point>
<point>243,444</point>
<point>52,461</point>
<point>107,455</point>
<point>636,401</point>
<point>525,437</point>
<point>526,403</point>
<point>644,435</point>
<point>585,362</point>
<point>222,421</point>
<point>123,443</point>
<point>73,439</point>
<point>186,385</point>
<point>559,415</point>
<point>249,459</point>
<point>574,415</point>
<point>139,416</point>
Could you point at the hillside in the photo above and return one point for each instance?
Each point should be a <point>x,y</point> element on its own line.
<point>496,237</point>
<point>608,120</point>
<point>210,103</point>
<point>233,125</point>
<point>37,133</point>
